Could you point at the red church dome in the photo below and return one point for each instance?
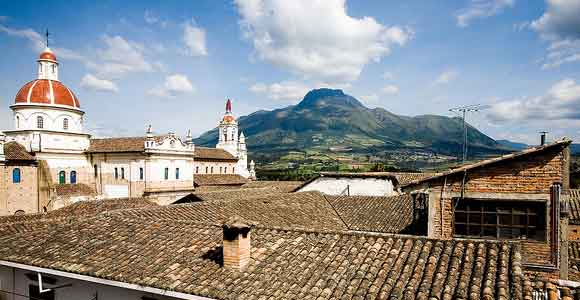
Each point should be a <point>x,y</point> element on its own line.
<point>47,55</point>
<point>46,91</point>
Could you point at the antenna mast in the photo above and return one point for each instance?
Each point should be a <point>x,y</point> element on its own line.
<point>464,110</point>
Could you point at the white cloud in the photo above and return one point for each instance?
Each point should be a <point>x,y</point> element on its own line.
<point>37,42</point>
<point>390,89</point>
<point>93,83</point>
<point>194,39</point>
<point>120,57</point>
<point>285,90</point>
<point>316,39</point>
<point>560,102</point>
<point>176,84</point>
<point>481,9</point>
<point>150,18</point>
<point>560,26</point>
<point>446,77</point>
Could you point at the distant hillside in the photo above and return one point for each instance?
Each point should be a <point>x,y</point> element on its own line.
<point>328,120</point>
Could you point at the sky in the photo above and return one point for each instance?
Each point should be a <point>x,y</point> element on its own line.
<point>173,64</point>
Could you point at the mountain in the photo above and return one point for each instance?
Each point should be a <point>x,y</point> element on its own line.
<point>329,120</point>
<point>513,145</point>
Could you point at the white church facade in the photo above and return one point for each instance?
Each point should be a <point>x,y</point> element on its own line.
<point>48,160</point>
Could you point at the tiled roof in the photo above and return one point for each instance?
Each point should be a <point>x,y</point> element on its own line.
<point>93,207</point>
<point>562,143</point>
<point>74,189</point>
<point>308,210</point>
<point>81,209</point>
<point>234,194</point>
<point>121,144</point>
<point>285,264</point>
<point>204,153</point>
<point>283,186</point>
<point>574,206</point>
<point>15,151</point>
<point>218,179</point>
<point>379,214</point>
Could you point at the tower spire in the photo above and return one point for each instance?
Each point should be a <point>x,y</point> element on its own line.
<point>229,106</point>
<point>47,34</point>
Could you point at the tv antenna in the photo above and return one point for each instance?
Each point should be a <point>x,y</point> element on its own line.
<point>464,110</point>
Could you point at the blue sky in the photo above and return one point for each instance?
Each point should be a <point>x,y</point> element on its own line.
<point>172,64</point>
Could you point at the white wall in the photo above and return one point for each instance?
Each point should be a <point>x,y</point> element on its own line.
<point>357,186</point>
<point>15,280</point>
<point>52,118</point>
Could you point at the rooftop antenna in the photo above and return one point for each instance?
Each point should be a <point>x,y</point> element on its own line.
<point>464,110</point>
<point>47,34</point>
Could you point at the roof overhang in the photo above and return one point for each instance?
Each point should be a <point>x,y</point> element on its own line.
<point>119,284</point>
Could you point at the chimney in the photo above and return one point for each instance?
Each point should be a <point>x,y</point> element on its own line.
<point>236,243</point>
<point>543,137</point>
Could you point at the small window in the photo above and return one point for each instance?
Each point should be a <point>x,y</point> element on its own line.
<point>116,173</point>
<point>206,170</point>
<point>122,173</point>
<point>141,174</point>
<point>17,122</point>
<point>166,173</point>
<point>65,124</point>
<point>225,170</point>
<point>96,170</point>
<point>221,169</point>
<point>176,173</point>
<point>62,177</point>
<point>196,170</point>
<point>524,220</point>
<point>73,176</point>
<point>53,69</point>
<point>212,170</point>
<point>39,122</point>
<point>16,175</point>
<point>233,170</point>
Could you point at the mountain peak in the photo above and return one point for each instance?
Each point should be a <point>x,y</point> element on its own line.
<point>323,96</point>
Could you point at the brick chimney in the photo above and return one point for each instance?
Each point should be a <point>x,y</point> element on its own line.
<point>236,243</point>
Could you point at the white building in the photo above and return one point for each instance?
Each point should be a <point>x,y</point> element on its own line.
<point>48,123</point>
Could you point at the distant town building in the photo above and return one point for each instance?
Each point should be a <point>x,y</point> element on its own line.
<point>48,160</point>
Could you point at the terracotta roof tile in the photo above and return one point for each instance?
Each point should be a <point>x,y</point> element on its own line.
<point>218,179</point>
<point>574,202</point>
<point>74,189</point>
<point>15,151</point>
<point>120,144</point>
<point>378,214</point>
<point>283,186</point>
<point>186,257</point>
<point>203,153</point>
<point>233,193</point>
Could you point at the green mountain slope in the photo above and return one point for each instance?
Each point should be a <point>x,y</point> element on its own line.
<point>329,120</point>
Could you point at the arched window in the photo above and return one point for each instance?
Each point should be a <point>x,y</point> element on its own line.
<point>17,122</point>
<point>206,170</point>
<point>96,170</point>
<point>212,170</point>
<point>177,173</point>
<point>166,173</point>
<point>65,124</point>
<point>116,173</point>
<point>141,174</point>
<point>196,170</point>
<point>39,122</point>
<point>221,169</point>
<point>16,175</point>
<point>53,69</point>
<point>73,176</point>
<point>122,173</point>
<point>225,170</point>
<point>62,177</point>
